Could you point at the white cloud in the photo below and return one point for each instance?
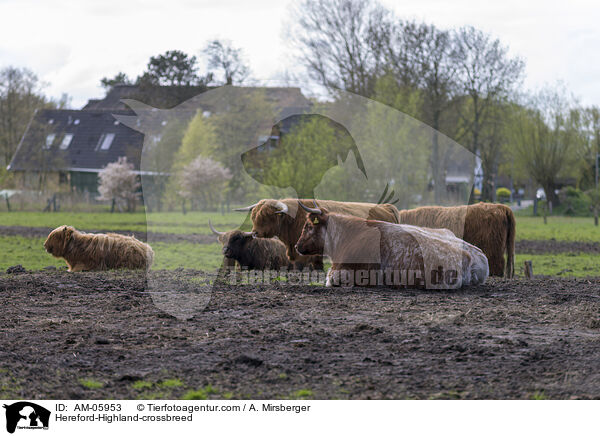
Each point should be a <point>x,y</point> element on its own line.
<point>73,45</point>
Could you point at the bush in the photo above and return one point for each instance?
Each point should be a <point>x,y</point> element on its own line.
<point>574,202</point>
<point>503,194</point>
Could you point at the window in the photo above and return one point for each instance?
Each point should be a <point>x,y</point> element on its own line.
<point>66,141</point>
<point>49,140</point>
<point>106,141</point>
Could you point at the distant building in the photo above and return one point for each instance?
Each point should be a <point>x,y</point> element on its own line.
<point>72,146</point>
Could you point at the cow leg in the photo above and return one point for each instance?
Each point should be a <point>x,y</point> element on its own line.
<point>496,264</point>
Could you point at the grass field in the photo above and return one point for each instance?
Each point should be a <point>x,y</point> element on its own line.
<point>29,252</point>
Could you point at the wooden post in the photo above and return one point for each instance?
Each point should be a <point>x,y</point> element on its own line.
<point>528,269</point>
<point>7,202</point>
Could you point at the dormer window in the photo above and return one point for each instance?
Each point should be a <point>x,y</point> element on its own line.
<point>49,140</point>
<point>66,141</point>
<point>106,141</point>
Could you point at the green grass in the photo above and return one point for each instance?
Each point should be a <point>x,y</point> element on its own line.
<point>90,383</point>
<point>171,383</point>
<point>301,394</point>
<point>199,394</point>
<point>160,222</point>
<point>140,385</point>
<point>30,253</point>
<point>559,227</point>
<point>207,257</point>
<point>562,264</point>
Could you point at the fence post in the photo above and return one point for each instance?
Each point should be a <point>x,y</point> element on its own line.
<point>528,269</point>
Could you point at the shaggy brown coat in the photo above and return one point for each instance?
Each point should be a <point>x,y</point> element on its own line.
<point>98,252</point>
<point>267,223</point>
<point>253,253</point>
<point>490,227</point>
<point>365,248</point>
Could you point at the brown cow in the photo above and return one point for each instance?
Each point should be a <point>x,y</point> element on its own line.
<point>490,227</point>
<point>98,251</point>
<point>283,218</point>
<point>250,252</point>
<point>375,253</point>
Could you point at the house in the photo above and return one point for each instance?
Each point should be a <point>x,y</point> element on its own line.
<point>68,148</point>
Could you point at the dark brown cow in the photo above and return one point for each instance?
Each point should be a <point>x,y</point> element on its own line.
<point>250,252</point>
<point>283,218</point>
<point>490,227</point>
<point>367,251</point>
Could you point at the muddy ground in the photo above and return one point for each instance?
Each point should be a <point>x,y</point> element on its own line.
<point>506,339</point>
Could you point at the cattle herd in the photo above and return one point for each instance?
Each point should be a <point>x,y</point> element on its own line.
<point>368,244</point>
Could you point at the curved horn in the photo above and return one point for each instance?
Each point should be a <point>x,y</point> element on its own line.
<point>310,209</point>
<point>247,208</point>
<point>215,231</point>
<point>283,208</point>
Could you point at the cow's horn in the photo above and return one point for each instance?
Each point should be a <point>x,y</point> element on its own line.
<point>310,209</point>
<point>247,208</point>
<point>283,208</point>
<point>215,231</point>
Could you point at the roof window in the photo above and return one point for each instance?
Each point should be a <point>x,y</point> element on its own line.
<point>106,141</point>
<point>49,140</point>
<point>66,141</point>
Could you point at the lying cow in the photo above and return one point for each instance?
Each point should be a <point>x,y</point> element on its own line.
<point>490,227</point>
<point>375,253</point>
<point>250,252</point>
<point>283,219</point>
<point>99,251</point>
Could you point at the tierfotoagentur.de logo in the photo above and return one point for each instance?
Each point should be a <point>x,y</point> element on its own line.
<point>24,415</point>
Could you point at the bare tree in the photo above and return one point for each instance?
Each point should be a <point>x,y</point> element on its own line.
<point>546,135</point>
<point>119,183</point>
<point>224,58</point>
<point>487,77</point>
<point>337,42</point>
<point>436,76</point>
<point>20,96</point>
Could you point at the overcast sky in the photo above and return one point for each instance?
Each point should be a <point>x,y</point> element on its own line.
<point>73,44</point>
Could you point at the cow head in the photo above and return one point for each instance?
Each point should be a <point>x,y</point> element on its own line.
<point>234,241</point>
<point>312,239</point>
<point>58,240</point>
<point>267,217</point>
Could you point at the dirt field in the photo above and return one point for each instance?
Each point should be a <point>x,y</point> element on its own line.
<point>99,335</point>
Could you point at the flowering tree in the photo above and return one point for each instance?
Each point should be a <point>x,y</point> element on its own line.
<point>203,181</point>
<point>119,183</point>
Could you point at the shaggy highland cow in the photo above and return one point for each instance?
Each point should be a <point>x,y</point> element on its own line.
<point>282,218</point>
<point>491,227</point>
<point>250,252</point>
<point>377,253</point>
<point>98,252</point>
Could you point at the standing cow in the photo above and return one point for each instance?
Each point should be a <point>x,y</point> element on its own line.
<point>488,226</point>
<point>375,253</point>
<point>283,218</point>
<point>250,252</point>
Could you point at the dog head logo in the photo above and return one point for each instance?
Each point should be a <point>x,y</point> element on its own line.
<point>26,415</point>
<point>276,143</point>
